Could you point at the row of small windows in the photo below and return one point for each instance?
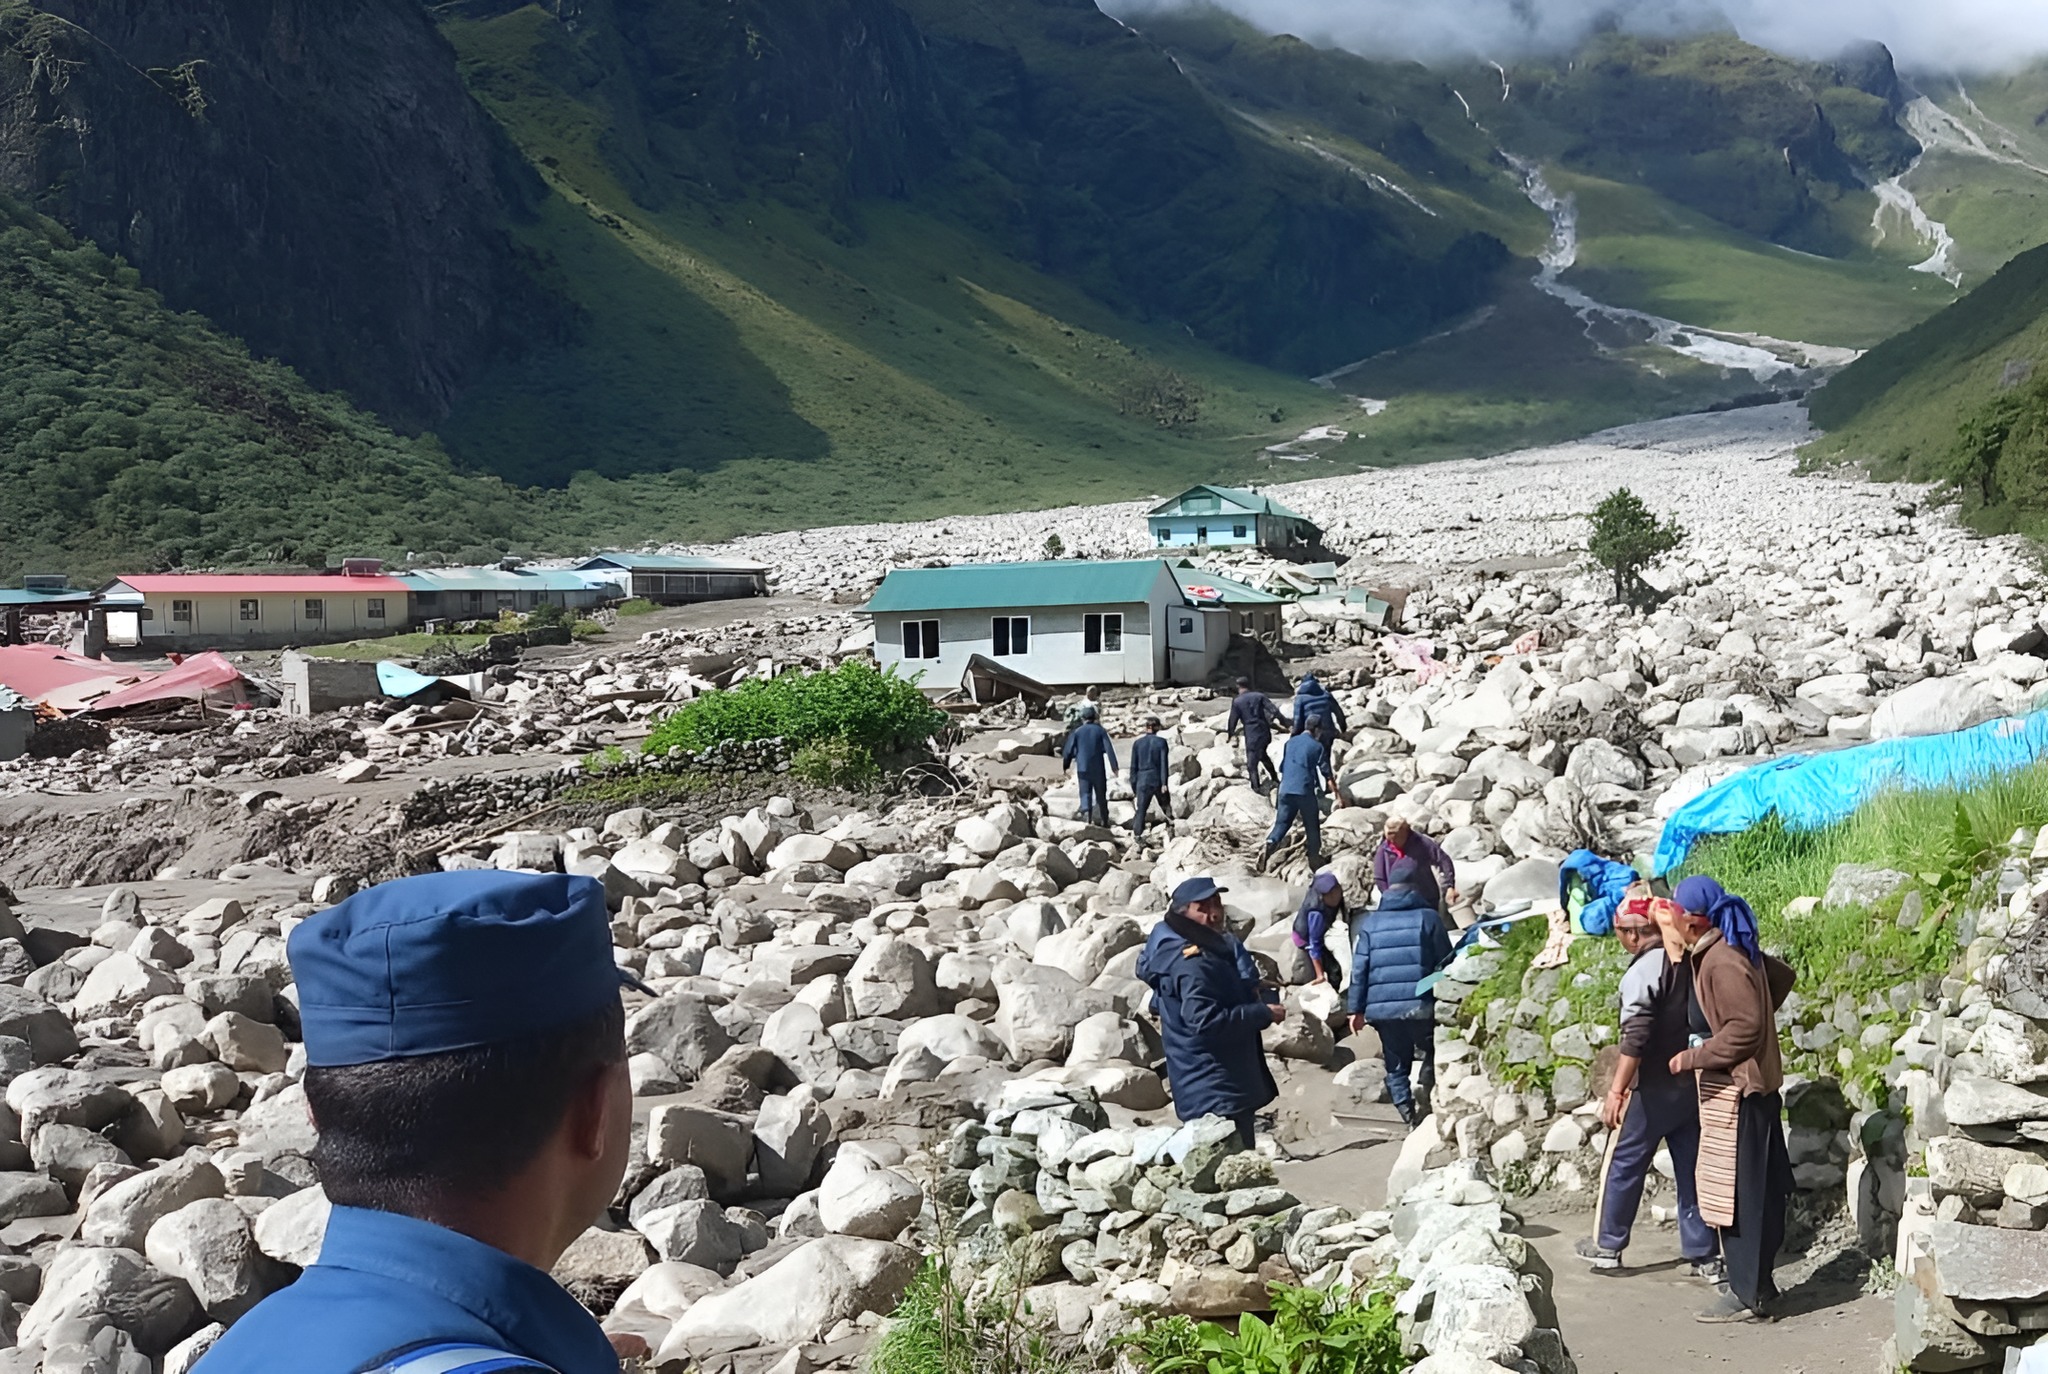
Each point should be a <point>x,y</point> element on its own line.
<point>1202,533</point>
<point>249,608</point>
<point>1011,635</point>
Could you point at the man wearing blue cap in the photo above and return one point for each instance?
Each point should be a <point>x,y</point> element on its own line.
<point>466,1067</point>
<point>1211,1010</point>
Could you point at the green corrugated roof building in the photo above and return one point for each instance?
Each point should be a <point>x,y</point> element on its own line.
<point>978,586</point>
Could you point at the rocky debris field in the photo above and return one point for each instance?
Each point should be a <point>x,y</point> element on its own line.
<point>890,1024</point>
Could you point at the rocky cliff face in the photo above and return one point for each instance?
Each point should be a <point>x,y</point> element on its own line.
<point>310,174</point>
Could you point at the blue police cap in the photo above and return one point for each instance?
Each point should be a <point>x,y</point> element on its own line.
<point>451,961</point>
<point>1195,890</point>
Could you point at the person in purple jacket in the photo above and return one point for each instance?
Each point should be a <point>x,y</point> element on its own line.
<point>1404,841</point>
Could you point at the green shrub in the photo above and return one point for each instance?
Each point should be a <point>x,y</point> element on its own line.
<point>638,605</point>
<point>854,704</point>
<point>936,1330</point>
<point>1627,538</point>
<point>834,763</point>
<point>1313,1331</point>
<point>546,615</point>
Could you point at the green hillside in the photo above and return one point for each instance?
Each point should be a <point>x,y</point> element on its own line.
<point>134,438</point>
<point>1979,365</point>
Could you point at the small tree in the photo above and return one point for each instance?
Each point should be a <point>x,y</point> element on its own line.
<point>1626,539</point>
<point>1054,546</point>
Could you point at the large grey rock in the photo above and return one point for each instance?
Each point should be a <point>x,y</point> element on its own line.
<point>1989,1263</point>
<point>1478,1301</point>
<point>1527,880</point>
<point>98,1285</point>
<point>27,1194</point>
<point>797,1035</point>
<point>118,986</point>
<point>69,1153</point>
<point>862,1198</point>
<point>892,978</point>
<point>951,1037</point>
<point>789,1134</point>
<point>1862,885</point>
<point>122,1215</point>
<point>280,1124</point>
<point>1929,1338</point>
<point>601,1264</point>
<point>818,1285</point>
<point>1934,706</point>
<point>680,1027</point>
<point>1988,1102</point>
<point>292,1229</point>
<point>1037,1009</point>
<point>245,1045</point>
<point>1975,1171</point>
<point>719,1143</point>
<point>47,1031</point>
<point>695,1232</point>
<point>207,1244</point>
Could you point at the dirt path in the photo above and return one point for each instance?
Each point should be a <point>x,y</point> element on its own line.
<point>1639,1321</point>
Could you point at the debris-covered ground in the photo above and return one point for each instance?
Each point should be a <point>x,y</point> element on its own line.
<point>844,981</point>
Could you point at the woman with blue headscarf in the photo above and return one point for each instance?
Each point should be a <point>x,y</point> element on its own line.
<point>1744,1175</point>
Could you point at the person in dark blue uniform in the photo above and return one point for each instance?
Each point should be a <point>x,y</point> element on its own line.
<point>1304,772</point>
<point>1398,944</point>
<point>1148,777</point>
<point>1256,715</point>
<point>1316,710</point>
<point>1093,758</point>
<point>1211,1010</point>
<point>466,1066</point>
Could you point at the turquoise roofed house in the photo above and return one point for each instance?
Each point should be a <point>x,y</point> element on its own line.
<point>1070,623</point>
<point>1232,518</point>
<point>482,593</point>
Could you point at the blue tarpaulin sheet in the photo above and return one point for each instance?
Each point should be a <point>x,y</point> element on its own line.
<point>397,680</point>
<point>1808,791</point>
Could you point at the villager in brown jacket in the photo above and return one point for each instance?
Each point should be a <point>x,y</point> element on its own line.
<point>1744,1175</point>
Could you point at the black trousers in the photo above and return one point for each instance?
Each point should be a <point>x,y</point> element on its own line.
<point>1763,1185</point>
<point>1148,792</point>
<point>1257,755</point>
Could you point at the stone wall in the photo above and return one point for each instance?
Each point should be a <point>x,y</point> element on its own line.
<point>1110,1226</point>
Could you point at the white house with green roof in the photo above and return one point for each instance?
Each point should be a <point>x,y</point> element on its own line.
<point>1231,518</point>
<point>1070,623</point>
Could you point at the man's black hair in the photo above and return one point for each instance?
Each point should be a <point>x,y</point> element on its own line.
<point>1244,684</point>
<point>406,1135</point>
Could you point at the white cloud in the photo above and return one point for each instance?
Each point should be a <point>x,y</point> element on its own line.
<point>1924,35</point>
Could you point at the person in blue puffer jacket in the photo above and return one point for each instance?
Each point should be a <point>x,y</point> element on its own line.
<point>1398,944</point>
<point>1211,1009</point>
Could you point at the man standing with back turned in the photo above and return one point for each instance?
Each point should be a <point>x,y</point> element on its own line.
<point>466,1066</point>
<point>1149,758</point>
<point>1255,714</point>
<point>1093,758</point>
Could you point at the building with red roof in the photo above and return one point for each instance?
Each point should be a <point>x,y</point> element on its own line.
<point>167,611</point>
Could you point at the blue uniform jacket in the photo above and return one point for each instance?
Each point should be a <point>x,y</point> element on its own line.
<point>1395,947</point>
<point>1087,747</point>
<point>1256,716</point>
<point>1210,1017</point>
<point>1148,761</point>
<point>1300,762</point>
<point>385,1283</point>
<point>1312,699</point>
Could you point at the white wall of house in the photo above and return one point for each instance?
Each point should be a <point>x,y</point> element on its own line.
<point>1216,531</point>
<point>1056,652</point>
<point>345,613</point>
<point>1196,637</point>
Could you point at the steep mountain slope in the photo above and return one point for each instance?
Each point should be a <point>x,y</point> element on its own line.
<point>1940,401</point>
<point>309,175</point>
<point>133,438</point>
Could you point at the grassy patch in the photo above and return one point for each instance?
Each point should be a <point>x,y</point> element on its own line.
<point>937,1330</point>
<point>395,646</point>
<point>652,789</point>
<point>1638,249</point>
<point>638,605</point>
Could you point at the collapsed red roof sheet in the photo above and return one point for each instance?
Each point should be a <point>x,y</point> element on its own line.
<point>204,676</point>
<point>38,671</point>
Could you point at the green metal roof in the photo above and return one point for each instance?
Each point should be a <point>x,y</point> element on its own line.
<point>1258,503</point>
<point>978,586</point>
<point>496,580</point>
<point>58,596</point>
<point>672,562</point>
<point>1232,592</point>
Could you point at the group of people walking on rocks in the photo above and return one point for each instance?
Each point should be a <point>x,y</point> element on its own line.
<point>1699,1070</point>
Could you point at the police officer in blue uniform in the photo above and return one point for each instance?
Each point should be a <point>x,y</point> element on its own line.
<point>466,1067</point>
